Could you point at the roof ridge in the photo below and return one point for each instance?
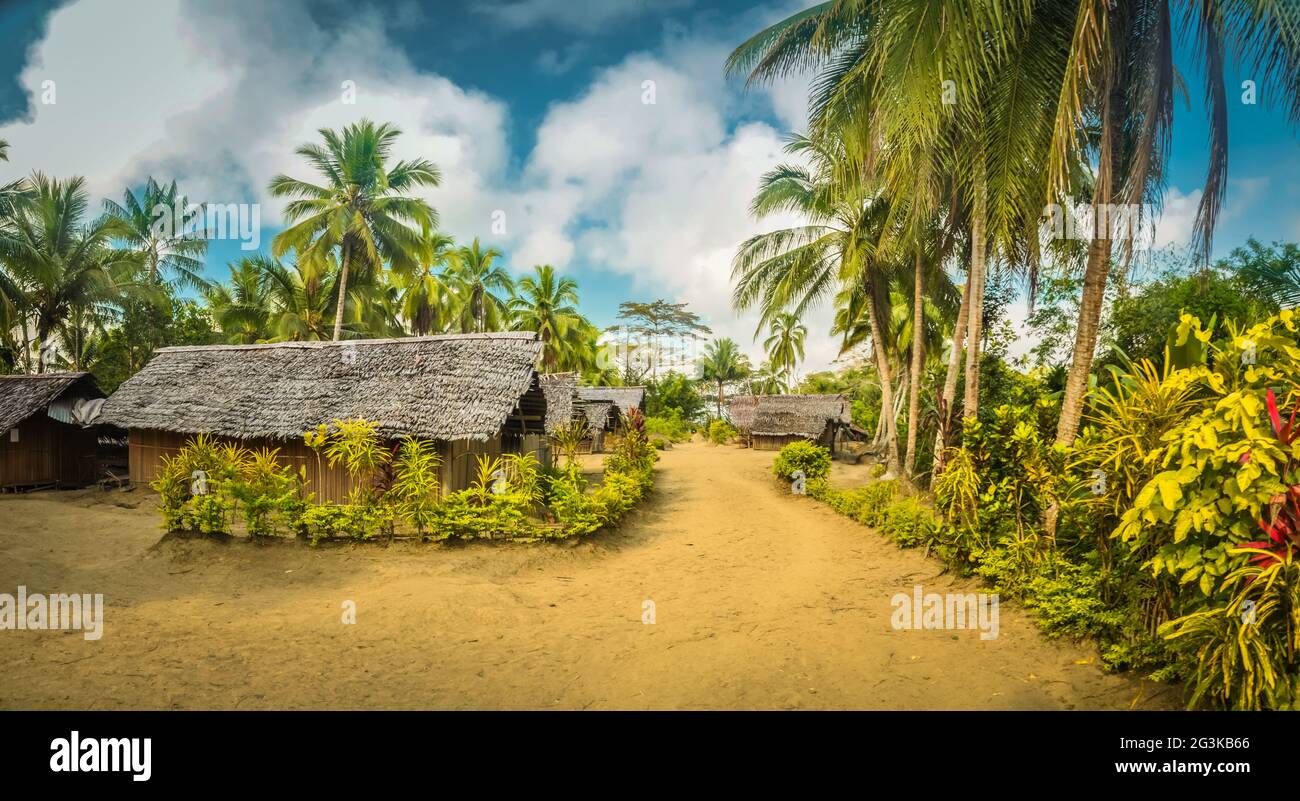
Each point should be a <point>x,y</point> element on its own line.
<point>64,375</point>
<point>528,336</point>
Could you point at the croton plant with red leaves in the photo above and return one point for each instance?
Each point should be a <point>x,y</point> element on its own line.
<point>1282,524</point>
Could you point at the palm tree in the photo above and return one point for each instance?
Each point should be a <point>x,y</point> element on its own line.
<point>59,264</point>
<point>548,304</point>
<point>242,307</point>
<point>1120,81</point>
<point>784,345</point>
<point>360,209</point>
<point>932,105</point>
<point>723,363</point>
<point>843,246</point>
<point>769,380</point>
<point>167,233</point>
<point>302,297</point>
<point>424,293</point>
<point>483,286</point>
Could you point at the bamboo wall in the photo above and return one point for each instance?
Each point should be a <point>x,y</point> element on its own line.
<point>48,453</point>
<point>459,460</point>
<point>768,442</point>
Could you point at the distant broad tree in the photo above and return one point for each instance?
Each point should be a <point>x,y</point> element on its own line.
<point>360,209</point>
<point>659,319</point>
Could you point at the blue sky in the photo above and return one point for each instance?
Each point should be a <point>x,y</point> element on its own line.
<point>534,109</point>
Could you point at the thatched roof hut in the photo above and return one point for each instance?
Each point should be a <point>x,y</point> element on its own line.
<point>623,398</point>
<point>46,438</point>
<point>741,409</point>
<point>437,387</point>
<point>600,414</point>
<point>475,394</point>
<point>559,390</point>
<point>22,396</point>
<point>774,420</point>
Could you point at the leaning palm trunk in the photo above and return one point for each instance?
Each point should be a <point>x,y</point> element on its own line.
<point>975,314</point>
<point>343,291</point>
<point>1085,341</point>
<point>944,401</point>
<point>918,355</point>
<point>886,386</point>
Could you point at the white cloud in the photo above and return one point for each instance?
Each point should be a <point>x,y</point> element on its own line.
<point>656,191</point>
<point>1177,218</point>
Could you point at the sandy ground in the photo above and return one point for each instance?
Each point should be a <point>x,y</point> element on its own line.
<point>762,600</point>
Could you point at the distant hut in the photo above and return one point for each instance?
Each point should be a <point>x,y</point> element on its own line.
<point>777,420</point>
<point>622,398</point>
<point>560,390</point>
<point>474,394</point>
<point>600,416</point>
<point>560,410</point>
<point>741,409</point>
<point>48,436</point>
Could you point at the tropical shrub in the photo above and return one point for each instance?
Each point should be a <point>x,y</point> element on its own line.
<point>670,425</point>
<point>909,522</point>
<point>415,490</point>
<point>802,455</point>
<point>194,485</point>
<point>569,437</point>
<point>721,432</point>
<point>267,492</point>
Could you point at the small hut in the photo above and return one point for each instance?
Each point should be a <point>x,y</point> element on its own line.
<point>559,389</point>
<point>473,394</point>
<point>774,421</point>
<point>601,416</point>
<point>48,436</point>
<point>560,410</point>
<point>741,409</point>
<point>621,398</point>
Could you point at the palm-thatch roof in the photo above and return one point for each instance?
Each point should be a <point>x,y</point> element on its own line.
<point>623,398</point>
<point>22,396</point>
<point>559,390</point>
<point>741,409</point>
<point>798,415</point>
<point>599,413</point>
<point>437,387</point>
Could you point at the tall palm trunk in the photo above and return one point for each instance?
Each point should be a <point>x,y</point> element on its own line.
<point>918,356</point>
<point>945,401</point>
<point>1094,285</point>
<point>719,400</point>
<point>975,312</point>
<point>1085,340</point>
<point>886,385</point>
<point>343,290</point>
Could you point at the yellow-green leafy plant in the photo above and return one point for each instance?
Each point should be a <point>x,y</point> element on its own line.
<point>415,488</point>
<point>569,437</point>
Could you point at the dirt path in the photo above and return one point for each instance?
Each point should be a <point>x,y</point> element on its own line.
<point>762,600</point>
